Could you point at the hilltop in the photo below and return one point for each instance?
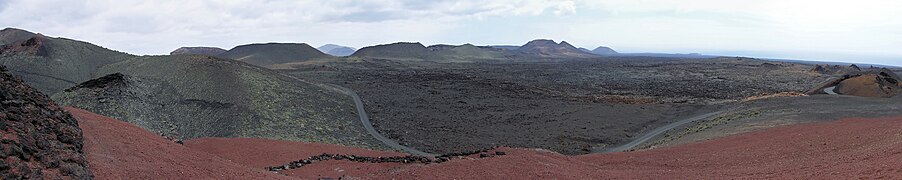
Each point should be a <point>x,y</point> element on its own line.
<point>601,50</point>
<point>400,50</point>
<point>274,53</point>
<point>9,35</point>
<point>210,51</point>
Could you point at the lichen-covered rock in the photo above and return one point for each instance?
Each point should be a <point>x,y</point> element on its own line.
<point>39,139</point>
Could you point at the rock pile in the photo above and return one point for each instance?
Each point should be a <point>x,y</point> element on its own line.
<point>395,159</point>
<point>39,139</point>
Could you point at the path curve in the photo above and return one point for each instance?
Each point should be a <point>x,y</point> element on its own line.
<point>831,90</point>
<point>368,125</point>
<point>361,113</point>
<point>657,131</point>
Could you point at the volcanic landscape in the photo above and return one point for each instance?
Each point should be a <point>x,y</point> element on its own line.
<point>543,110</point>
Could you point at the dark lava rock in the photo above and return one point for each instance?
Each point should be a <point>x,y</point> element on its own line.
<point>39,139</point>
<point>111,80</point>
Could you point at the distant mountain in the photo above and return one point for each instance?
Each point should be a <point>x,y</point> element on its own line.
<point>835,69</point>
<point>342,51</point>
<point>400,50</point>
<point>337,50</point>
<point>274,53</point>
<point>329,47</point>
<point>507,47</point>
<point>601,50</point>
<point>210,51</point>
<point>10,35</point>
<point>816,62</point>
<point>467,52</point>
<point>549,48</point>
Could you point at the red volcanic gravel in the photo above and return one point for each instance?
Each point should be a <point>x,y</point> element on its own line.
<point>119,150</point>
<point>261,153</point>
<point>847,149</point>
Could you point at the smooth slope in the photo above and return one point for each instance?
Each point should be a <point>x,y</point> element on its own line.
<point>274,53</point>
<point>60,63</point>
<point>118,150</point>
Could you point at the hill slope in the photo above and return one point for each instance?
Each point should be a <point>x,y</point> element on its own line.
<point>183,95</point>
<point>39,139</point>
<point>191,96</point>
<point>118,150</point>
<point>273,53</point>
<point>53,64</point>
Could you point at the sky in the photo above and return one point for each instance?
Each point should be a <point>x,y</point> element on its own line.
<point>860,31</point>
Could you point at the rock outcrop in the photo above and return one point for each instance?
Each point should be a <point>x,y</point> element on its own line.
<point>39,139</point>
<point>10,35</point>
<point>31,47</point>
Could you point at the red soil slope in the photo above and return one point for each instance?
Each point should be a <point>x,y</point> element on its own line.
<point>855,148</point>
<point>118,150</point>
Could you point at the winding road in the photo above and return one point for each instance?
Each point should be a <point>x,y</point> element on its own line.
<point>369,125</point>
<point>657,131</point>
<point>831,90</point>
<point>361,113</point>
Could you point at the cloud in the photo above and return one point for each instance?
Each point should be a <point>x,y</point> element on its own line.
<point>156,27</point>
<point>3,5</point>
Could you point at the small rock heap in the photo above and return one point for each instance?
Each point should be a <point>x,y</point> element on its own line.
<point>394,159</point>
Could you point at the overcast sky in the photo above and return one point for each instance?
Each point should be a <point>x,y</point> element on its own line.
<point>843,30</point>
